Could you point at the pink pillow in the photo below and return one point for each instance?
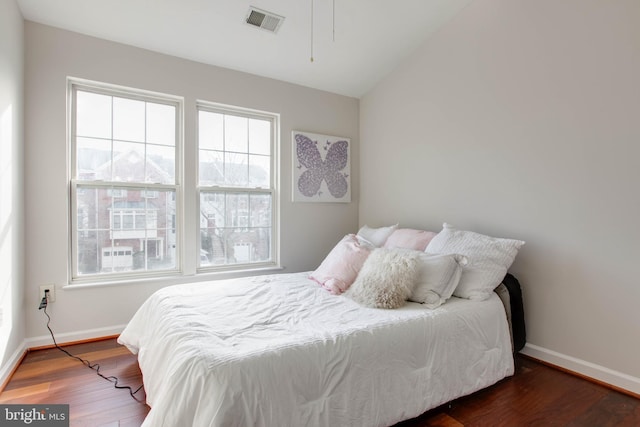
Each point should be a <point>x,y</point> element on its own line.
<point>340,268</point>
<point>409,238</point>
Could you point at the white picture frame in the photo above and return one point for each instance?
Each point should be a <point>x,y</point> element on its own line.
<point>321,167</point>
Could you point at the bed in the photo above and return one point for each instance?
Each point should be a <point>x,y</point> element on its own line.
<point>394,322</point>
<point>279,350</point>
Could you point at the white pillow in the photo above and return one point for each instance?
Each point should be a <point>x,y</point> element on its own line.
<point>386,279</point>
<point>377,236</point>
<point>438,275</point>
<point>489,259</point>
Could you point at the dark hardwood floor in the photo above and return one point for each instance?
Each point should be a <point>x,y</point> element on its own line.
<point>536,395</point>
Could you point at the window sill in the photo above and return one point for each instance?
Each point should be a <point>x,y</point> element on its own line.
<point>178,279</point>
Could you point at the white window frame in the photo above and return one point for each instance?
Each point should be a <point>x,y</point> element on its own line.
<point>75,185</point>
<point>273,190</point>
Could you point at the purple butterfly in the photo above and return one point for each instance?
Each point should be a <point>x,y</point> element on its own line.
<point>319,170</point>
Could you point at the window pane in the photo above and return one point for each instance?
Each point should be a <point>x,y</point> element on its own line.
<point>235,228</point>
<point>132,158</point>
<point>244,158</point>
<point>93,115</point>
<point>259,167</point>
<point>86,202</point>
<point>160,231</point>
<point>119,234</point>
<point>128,162</point>
<point>237,209</point>
<point>236,171</point>
<point>128,119</point>
<point>212,220</point>
<point>89,257</point>
<point>260,210</point>
<point>236,135</point>
<point>211,167</point>
<point>161,124</point>
<point>210,130</point>
<point>261,244</point>
<point>212,247</point>
<point>212,210</point>
<point>161,163</point>
<point>259,137</point>
<point>108,260</point>
<point>93,159</point>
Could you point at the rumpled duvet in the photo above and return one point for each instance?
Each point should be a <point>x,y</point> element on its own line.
<point>279,351</point>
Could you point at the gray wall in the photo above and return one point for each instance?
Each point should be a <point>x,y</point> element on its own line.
<point>521,119</point>
<point>308,231</point>
<point>11,181</point>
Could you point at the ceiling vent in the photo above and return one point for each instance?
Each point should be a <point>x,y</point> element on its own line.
<point>262,19</point>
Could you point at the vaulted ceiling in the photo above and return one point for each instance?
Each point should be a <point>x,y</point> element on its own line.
<point>354,43</point>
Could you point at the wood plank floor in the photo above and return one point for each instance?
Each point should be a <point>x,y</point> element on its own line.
<point>536,395</point>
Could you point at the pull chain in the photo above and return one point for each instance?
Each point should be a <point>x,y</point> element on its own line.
<point>311,26</point>
<point>334,21</point>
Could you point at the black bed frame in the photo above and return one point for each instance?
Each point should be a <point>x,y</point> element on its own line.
<point>517,312</point>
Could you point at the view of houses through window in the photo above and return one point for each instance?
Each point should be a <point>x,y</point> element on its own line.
<point>124,182</point>
<point>126,190</point>
<point>236,190</point>
<point>125,231</point>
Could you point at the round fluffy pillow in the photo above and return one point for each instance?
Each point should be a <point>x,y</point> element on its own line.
<point>386,279</point>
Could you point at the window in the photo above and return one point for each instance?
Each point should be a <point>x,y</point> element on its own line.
<point>127,207</point>
<point>236,186</point>
<point>125,171</point>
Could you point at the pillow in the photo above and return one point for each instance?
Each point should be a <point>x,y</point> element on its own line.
<point>386,279</point>
<point>438,276</point>
<point>377,236</point>
<point>340,268</point>
<point>489,259</point>
<point>409,238</point>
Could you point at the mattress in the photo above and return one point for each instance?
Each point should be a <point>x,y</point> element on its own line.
<point>279,350</point>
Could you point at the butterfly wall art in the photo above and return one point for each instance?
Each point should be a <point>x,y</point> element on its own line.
<point>321,168</point>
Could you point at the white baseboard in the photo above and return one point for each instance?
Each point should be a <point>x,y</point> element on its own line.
<point>74,336</point>
<point>582,367</point>
<point>11,363</point>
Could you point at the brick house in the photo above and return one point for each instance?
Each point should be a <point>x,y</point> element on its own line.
<point>126,228</point>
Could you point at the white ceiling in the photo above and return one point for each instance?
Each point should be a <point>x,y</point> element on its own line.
<point>368,39</point>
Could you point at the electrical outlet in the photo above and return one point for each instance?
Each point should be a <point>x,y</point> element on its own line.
<point>52,292</point>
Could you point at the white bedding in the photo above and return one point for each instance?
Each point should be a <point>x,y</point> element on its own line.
<point>281,351</point>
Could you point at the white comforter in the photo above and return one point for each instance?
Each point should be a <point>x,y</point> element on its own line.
<point>281,351</point>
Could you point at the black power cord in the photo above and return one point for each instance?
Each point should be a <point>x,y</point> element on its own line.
<point>95,366</point>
